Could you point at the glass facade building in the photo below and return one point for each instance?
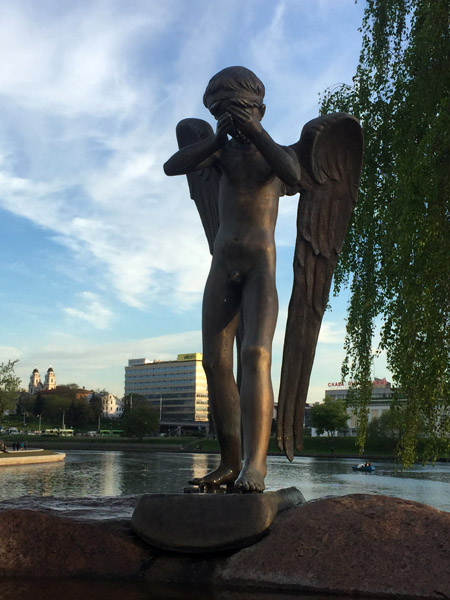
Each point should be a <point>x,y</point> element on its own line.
<point>176,388</point>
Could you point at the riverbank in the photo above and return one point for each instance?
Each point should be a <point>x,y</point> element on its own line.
<point>133,446</point>
<point>339,447</point>
<point>317,447</point>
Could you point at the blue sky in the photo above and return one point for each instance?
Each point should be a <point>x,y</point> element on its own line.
<point>103,256</point>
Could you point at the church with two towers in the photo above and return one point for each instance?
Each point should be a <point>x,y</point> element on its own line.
<point>36,384</point>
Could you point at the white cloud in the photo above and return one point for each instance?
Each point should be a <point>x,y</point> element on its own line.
<point>96,135</point>
<point>9,353</point>
<point>100,365</point>
<point>331,333</point>
<point>91,310</point>
<point>74,63</point>
<point>90,96</point>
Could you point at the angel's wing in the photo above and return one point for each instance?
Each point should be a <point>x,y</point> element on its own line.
<point>203,185</point>
<point>330,152</point>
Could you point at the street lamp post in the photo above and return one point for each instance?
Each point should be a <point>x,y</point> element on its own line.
<point>63,424</point>
<point>40,417</point>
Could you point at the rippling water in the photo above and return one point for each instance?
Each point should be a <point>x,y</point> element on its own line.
<point>96,473</point>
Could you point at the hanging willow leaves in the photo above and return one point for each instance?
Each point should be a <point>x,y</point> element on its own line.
<point>396,257</point>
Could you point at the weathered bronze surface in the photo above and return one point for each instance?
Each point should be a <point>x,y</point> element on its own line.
<point>209,522</point>
<point>236,176</point>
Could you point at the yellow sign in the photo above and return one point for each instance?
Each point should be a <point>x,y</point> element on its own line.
<point>194,356</point>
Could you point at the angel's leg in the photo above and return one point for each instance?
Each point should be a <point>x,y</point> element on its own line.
<point>220,320</point>
<point>260,311</point>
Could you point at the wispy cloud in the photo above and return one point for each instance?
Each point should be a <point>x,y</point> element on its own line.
<point>91,310</point>
<point>75,62</point>
<point>89,363</point>
<point>90,93</point>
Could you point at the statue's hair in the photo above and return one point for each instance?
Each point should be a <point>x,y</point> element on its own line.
<point>235,79</point>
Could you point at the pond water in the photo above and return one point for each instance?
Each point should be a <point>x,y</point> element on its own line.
<point>93,473</point>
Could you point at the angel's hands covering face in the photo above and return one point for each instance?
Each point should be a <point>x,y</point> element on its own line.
<point>224,126</point>
<point>246,120</point>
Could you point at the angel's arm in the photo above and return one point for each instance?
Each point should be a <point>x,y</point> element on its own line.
<point>202,154</point>
<point>199,156</point>
<point>283,160</point>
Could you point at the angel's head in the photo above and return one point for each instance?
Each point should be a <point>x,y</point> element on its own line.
<point>236,84</point>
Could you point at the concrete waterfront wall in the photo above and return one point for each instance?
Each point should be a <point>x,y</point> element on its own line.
<point>29,457</point>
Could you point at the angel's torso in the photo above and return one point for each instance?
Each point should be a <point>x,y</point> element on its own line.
<point>248,206</point>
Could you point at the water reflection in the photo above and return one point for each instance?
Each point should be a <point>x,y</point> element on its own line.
<point>96,474</point>
<point>74,589</point>
<point>199,465</point>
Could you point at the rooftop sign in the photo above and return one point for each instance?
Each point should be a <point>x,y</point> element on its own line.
<point>376,383</point>
<point>194,356</point>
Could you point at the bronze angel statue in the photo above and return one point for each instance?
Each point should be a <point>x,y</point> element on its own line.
<point>236,176</point>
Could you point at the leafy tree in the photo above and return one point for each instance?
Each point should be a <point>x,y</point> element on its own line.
<point>55,405</point>
<point>390,425</point>
<point>96,404</point>
<point>330,416</point>
<point>39,404</point>
<point>396,255</point>
<point>9,386</point>
<point>80,413</point>
<point>139,421</point>
<point>133,400</point>
<point>26,403</point>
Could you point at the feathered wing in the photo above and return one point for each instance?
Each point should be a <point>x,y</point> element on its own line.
<point>330,152</point>
<point>203,185</point>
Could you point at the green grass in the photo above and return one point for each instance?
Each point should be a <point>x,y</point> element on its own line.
<point>337,446</point>
<point>341,446</point>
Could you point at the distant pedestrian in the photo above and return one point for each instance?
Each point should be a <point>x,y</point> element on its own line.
<point>3,446</point>
<point>14,446</point>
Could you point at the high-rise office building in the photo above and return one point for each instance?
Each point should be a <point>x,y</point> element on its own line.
<point>176,388</point>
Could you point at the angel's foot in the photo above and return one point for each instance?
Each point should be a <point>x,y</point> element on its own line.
<point>251,479</point>
<point>222,475</point>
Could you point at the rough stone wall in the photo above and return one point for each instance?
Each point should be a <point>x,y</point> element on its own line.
<point>373,546</point>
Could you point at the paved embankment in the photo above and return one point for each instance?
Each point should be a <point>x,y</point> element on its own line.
<point>29,457</point>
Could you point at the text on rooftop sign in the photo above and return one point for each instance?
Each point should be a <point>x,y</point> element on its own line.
<point>375,382</point>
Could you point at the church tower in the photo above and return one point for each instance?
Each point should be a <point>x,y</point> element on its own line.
<point>35,382</point>
<point>50,379</point>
